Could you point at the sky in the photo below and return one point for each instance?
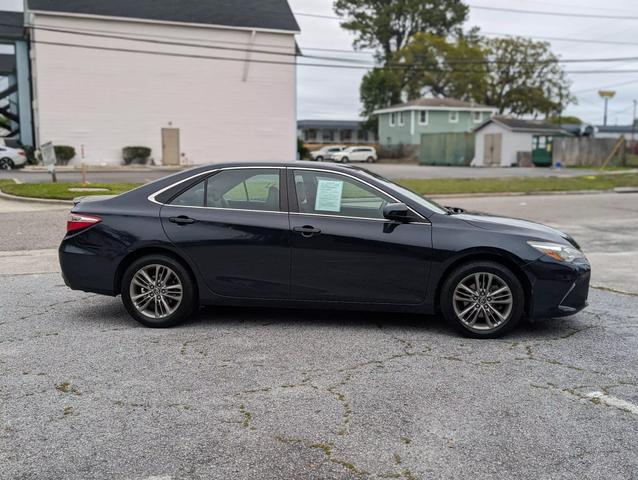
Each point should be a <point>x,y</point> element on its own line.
<point>328,93</point>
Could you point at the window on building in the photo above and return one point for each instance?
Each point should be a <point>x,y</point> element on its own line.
<point>477,117</point>
<point>401,118</point>
<point>424,117</point>
<point>393,119</point>
<point>454,117</point>
<point>362,135</point>
<point>346,135</point>
<point>310,135</point>
<point>328,135</point>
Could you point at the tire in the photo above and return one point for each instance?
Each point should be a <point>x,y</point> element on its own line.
<point>480,315</point>
<point>6,163</point>
<point>345,160</point>
<point>370,160</point>
<point>319,159</point>
<point>170,311</point>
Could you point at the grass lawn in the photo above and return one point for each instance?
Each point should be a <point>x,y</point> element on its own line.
<point>520,184</point>
<point>60,190</point>
<point>434,186</point>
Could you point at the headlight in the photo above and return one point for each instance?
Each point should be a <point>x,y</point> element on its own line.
<point>562,253</point>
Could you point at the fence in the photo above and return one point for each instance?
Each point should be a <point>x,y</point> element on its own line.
<point>586,151</point>
<point>446,149</point>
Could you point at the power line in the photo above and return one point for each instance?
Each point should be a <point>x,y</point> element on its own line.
<point>555,14</point>
<point>276,62</point>
<point>245,49</point>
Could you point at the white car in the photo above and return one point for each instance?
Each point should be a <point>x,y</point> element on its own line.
<point>11,158</point>
<point>355,154</point>
<point>325,152</point>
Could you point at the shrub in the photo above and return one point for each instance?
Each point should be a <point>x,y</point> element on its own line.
<point>136,155</point>
<point>63,154</point>
<point>31,154</point>
<point>302,150</point>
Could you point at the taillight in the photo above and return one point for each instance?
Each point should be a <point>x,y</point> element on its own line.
<point>21,153</point>
<point>78,221</point>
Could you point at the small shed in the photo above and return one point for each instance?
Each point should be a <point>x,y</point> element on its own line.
<point>505,142</point>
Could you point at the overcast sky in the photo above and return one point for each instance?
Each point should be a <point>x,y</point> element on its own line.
<point>331,93</point>
<point>334,93</point>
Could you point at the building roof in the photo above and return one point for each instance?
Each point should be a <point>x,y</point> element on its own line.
<point>435,104</point>
<point>260,14</point>
<point>335,124</point>
<point>521,125</point>
<point>616,129</point>
<point>11,25</point>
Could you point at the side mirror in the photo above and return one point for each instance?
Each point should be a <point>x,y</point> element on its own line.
<point>397,212</point>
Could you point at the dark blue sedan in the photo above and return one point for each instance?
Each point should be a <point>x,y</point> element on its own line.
<point>314,235</point>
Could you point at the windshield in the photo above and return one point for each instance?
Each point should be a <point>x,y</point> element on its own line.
<point>415,197</point>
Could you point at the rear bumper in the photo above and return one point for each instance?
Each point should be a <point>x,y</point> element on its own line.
<point>85,270</point>
<point>558,289</point>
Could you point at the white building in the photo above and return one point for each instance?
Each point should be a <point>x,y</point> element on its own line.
<point>498,141</point>
<point>197,81</point>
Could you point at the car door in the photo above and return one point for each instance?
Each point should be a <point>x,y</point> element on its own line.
<point>234,227</point>
<point>343,249</point>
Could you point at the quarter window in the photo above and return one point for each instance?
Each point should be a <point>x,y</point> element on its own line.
<point>332,194</point>
<point>193,197</point>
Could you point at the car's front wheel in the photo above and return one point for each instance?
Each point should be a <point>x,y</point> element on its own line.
<point>482,299</point>
<point>319,159</point>
<point>345,160</point>
<point>158,291</point>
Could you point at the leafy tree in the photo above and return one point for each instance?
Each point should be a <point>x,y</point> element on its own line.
<point>524,77</point>
<point>515,75</point>
<point>302,150</point>
<point>564,119</point>
<point>389,25</point>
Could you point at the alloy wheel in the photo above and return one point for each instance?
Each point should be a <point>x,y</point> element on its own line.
<point>482,301</point>
<point>156,291</point>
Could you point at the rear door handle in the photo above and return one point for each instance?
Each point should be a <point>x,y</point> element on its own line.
<point>181,220</point>
<point>307,231</point>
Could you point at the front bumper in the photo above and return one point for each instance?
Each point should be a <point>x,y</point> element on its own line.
<point>558,289</point>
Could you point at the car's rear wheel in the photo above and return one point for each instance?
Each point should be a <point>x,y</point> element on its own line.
<point>319,158</point>
<point>370,160</point>
<point>482,299</point>
<point>345,160</point>
<point>158,291</point>
<point>6,164</point>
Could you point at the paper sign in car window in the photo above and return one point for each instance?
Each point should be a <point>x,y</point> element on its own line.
<point>328,195</point>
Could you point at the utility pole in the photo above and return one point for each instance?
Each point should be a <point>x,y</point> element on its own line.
<point>606,95</point>
<point>633,125</point>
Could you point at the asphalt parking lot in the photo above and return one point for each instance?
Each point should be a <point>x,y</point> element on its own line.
<point>85,392</point>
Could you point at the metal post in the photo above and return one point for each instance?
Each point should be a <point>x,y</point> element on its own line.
<point>605,117</point>
<point>633,125</point>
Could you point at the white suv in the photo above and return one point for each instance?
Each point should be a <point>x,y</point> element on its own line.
<point>355,154</point>
<point>325,152</point>
<point>11,158</point>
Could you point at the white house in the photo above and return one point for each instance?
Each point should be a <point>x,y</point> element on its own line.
<point>498,141</point>
<point>197,81</point>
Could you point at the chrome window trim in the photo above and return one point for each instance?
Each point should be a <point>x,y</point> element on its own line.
<point>366,183</point>
<point>152,196</point>
<point>385,220</point>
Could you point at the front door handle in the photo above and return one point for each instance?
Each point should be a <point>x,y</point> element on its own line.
<point>307,231</point>
<point>181,220</point>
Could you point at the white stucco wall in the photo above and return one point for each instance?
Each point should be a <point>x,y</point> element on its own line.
<point>512,142</point>
<point>106,100</point>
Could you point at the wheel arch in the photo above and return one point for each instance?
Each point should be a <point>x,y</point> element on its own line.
<point>151,250</point>
<point>492,255</point>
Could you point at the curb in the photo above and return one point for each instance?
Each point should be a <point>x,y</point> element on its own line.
<point>46,201</point>
<point>522,194</point>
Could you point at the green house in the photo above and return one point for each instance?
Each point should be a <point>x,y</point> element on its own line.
<point>403,124</point>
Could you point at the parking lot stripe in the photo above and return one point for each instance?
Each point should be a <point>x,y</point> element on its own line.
<point>613,401</point>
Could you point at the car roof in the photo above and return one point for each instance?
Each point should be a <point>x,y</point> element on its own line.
<point>291,164</point>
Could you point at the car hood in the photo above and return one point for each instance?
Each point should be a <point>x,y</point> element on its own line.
<point>515,225</point>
